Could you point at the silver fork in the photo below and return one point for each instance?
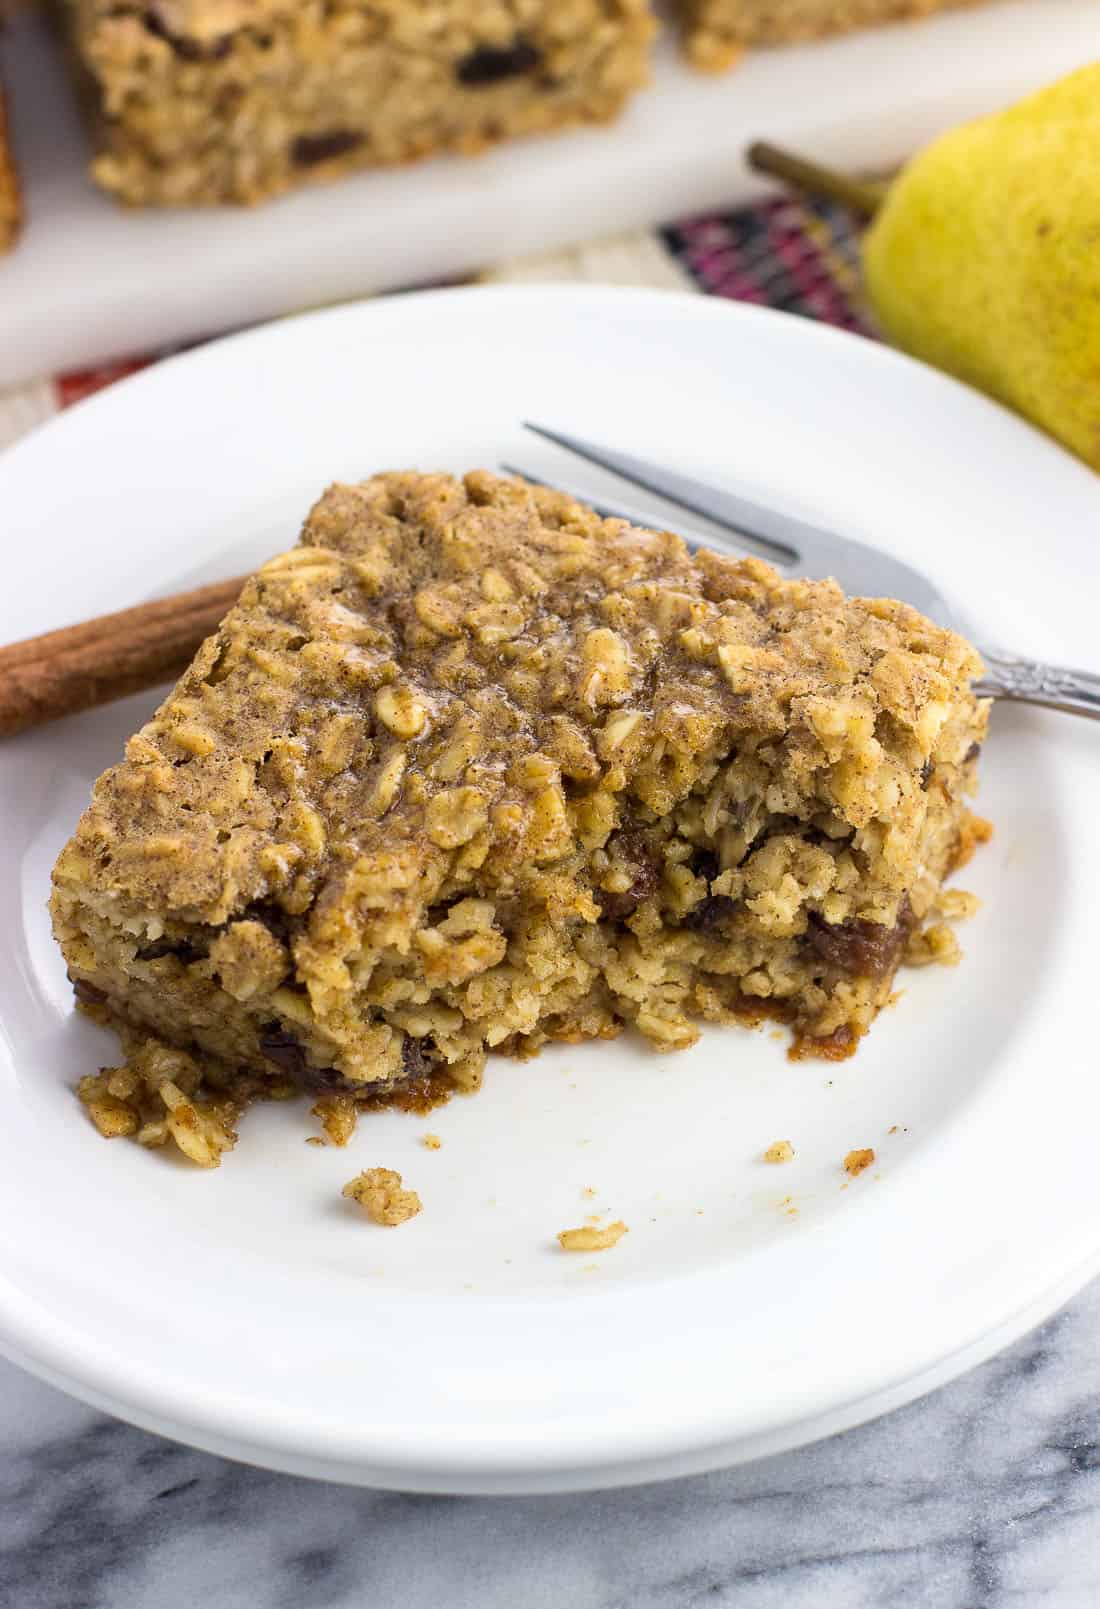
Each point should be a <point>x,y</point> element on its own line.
<point>790,543</point>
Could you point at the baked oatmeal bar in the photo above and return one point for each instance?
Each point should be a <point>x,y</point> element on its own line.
<point>472,768</point>
<point>200,101</point>
<point>719,31</point>
<point>11,205</point>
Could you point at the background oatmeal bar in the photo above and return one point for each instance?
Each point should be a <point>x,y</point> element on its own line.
<point>717,31</point>
<point>11,206</point>
<point>472,769</point>
<point>199,101</point>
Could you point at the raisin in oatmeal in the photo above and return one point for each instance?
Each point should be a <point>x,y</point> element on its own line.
<point>472,769</point>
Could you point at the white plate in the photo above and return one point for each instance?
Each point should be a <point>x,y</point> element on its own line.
<point>247,1311</point>
<point>92,280</point>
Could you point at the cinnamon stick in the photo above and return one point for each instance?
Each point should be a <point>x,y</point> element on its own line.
<point>78,667</point>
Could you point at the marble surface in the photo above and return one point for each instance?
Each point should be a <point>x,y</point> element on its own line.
<point>985,1495</point>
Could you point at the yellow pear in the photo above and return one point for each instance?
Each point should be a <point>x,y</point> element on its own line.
<point>984,258</point>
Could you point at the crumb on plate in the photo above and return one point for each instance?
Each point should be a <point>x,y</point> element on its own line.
<point>338,1117</point>
<point>957,904</point>
<point>432,1141</point>
<point>856,1161</point>
<point>153,1098</point>
<point>380,1194</point>
<point>779,1151</point>
<point>591,1238</point>
<point>934,946</point>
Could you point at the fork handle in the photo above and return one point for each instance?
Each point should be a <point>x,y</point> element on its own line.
<point>1029,681</point>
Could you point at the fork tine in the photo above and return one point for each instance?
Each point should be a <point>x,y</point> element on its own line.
<point>774,535</point>
<point>864,571</point>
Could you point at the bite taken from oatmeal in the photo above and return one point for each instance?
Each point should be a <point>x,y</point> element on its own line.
<point>472,769</point>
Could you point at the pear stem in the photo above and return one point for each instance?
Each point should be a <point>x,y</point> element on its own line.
<point>862,196</point>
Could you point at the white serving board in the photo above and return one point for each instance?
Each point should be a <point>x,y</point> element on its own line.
<point>90,281</point>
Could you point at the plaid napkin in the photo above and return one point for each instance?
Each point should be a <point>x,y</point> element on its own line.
<point>796,255</point>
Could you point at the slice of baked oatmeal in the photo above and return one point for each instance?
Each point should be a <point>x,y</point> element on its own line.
<point>471,769</point>
<point>201,102</point>
<point>718,32</point>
